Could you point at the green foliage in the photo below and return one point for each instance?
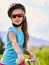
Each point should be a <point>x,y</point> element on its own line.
<point>43,55</point>
<point>1,46</point>
<point>0,56</point>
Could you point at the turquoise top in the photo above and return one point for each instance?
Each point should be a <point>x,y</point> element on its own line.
<point>9,55</point>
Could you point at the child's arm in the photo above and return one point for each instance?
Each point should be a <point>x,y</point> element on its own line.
<point>26,51</point>
<point>15,46</point>
<point>14,42</point>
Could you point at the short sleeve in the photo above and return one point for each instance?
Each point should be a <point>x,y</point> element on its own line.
<point>10,30</point>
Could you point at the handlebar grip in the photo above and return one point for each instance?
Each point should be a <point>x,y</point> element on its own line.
<point>26,60</point>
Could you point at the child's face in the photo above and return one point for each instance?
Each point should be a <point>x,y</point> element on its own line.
<point>17,16</point>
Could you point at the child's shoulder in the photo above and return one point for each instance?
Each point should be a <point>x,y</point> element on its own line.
<point>10,29</point>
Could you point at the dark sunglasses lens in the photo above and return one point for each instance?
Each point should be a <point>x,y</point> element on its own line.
<point>17,15</point>
<point>13,16</point>
<point>20,15</point>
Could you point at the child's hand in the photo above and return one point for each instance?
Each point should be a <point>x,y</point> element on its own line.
<point>31,56</point>
<point>21,57</point>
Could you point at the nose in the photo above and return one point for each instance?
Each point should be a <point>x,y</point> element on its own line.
<point>16,16</point>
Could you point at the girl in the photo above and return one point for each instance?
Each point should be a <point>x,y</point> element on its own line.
<point>17,36</point>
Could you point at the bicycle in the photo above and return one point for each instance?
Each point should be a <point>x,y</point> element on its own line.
<point>31,60</point>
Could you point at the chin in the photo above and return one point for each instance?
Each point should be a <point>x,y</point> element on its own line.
<point>18,23</point>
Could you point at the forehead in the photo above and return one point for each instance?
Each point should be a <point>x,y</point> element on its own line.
<point>17,11</point>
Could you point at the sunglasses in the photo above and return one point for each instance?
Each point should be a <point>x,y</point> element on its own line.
<point>17,15</point>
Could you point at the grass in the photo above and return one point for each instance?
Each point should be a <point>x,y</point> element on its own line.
<point>0,56</point>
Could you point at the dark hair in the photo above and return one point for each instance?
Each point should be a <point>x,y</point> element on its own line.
<point>25,31</point>
<point>15,6</point>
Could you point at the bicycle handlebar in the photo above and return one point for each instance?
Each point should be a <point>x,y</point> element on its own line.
<point>30,60</point>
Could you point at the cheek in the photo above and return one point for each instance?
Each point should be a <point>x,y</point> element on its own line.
<point>21,19</point>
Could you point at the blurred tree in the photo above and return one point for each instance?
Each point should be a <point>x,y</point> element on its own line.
<point>1,46</point>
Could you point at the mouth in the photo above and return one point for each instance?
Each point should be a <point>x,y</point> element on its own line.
<point>17,21</point>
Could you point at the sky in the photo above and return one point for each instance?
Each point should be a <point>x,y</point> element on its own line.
<point>37,13</point>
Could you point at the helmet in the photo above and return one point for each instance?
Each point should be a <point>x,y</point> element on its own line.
<point>14,6</point>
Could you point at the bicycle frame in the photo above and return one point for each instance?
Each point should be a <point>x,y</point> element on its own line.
<point>1,64</point>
